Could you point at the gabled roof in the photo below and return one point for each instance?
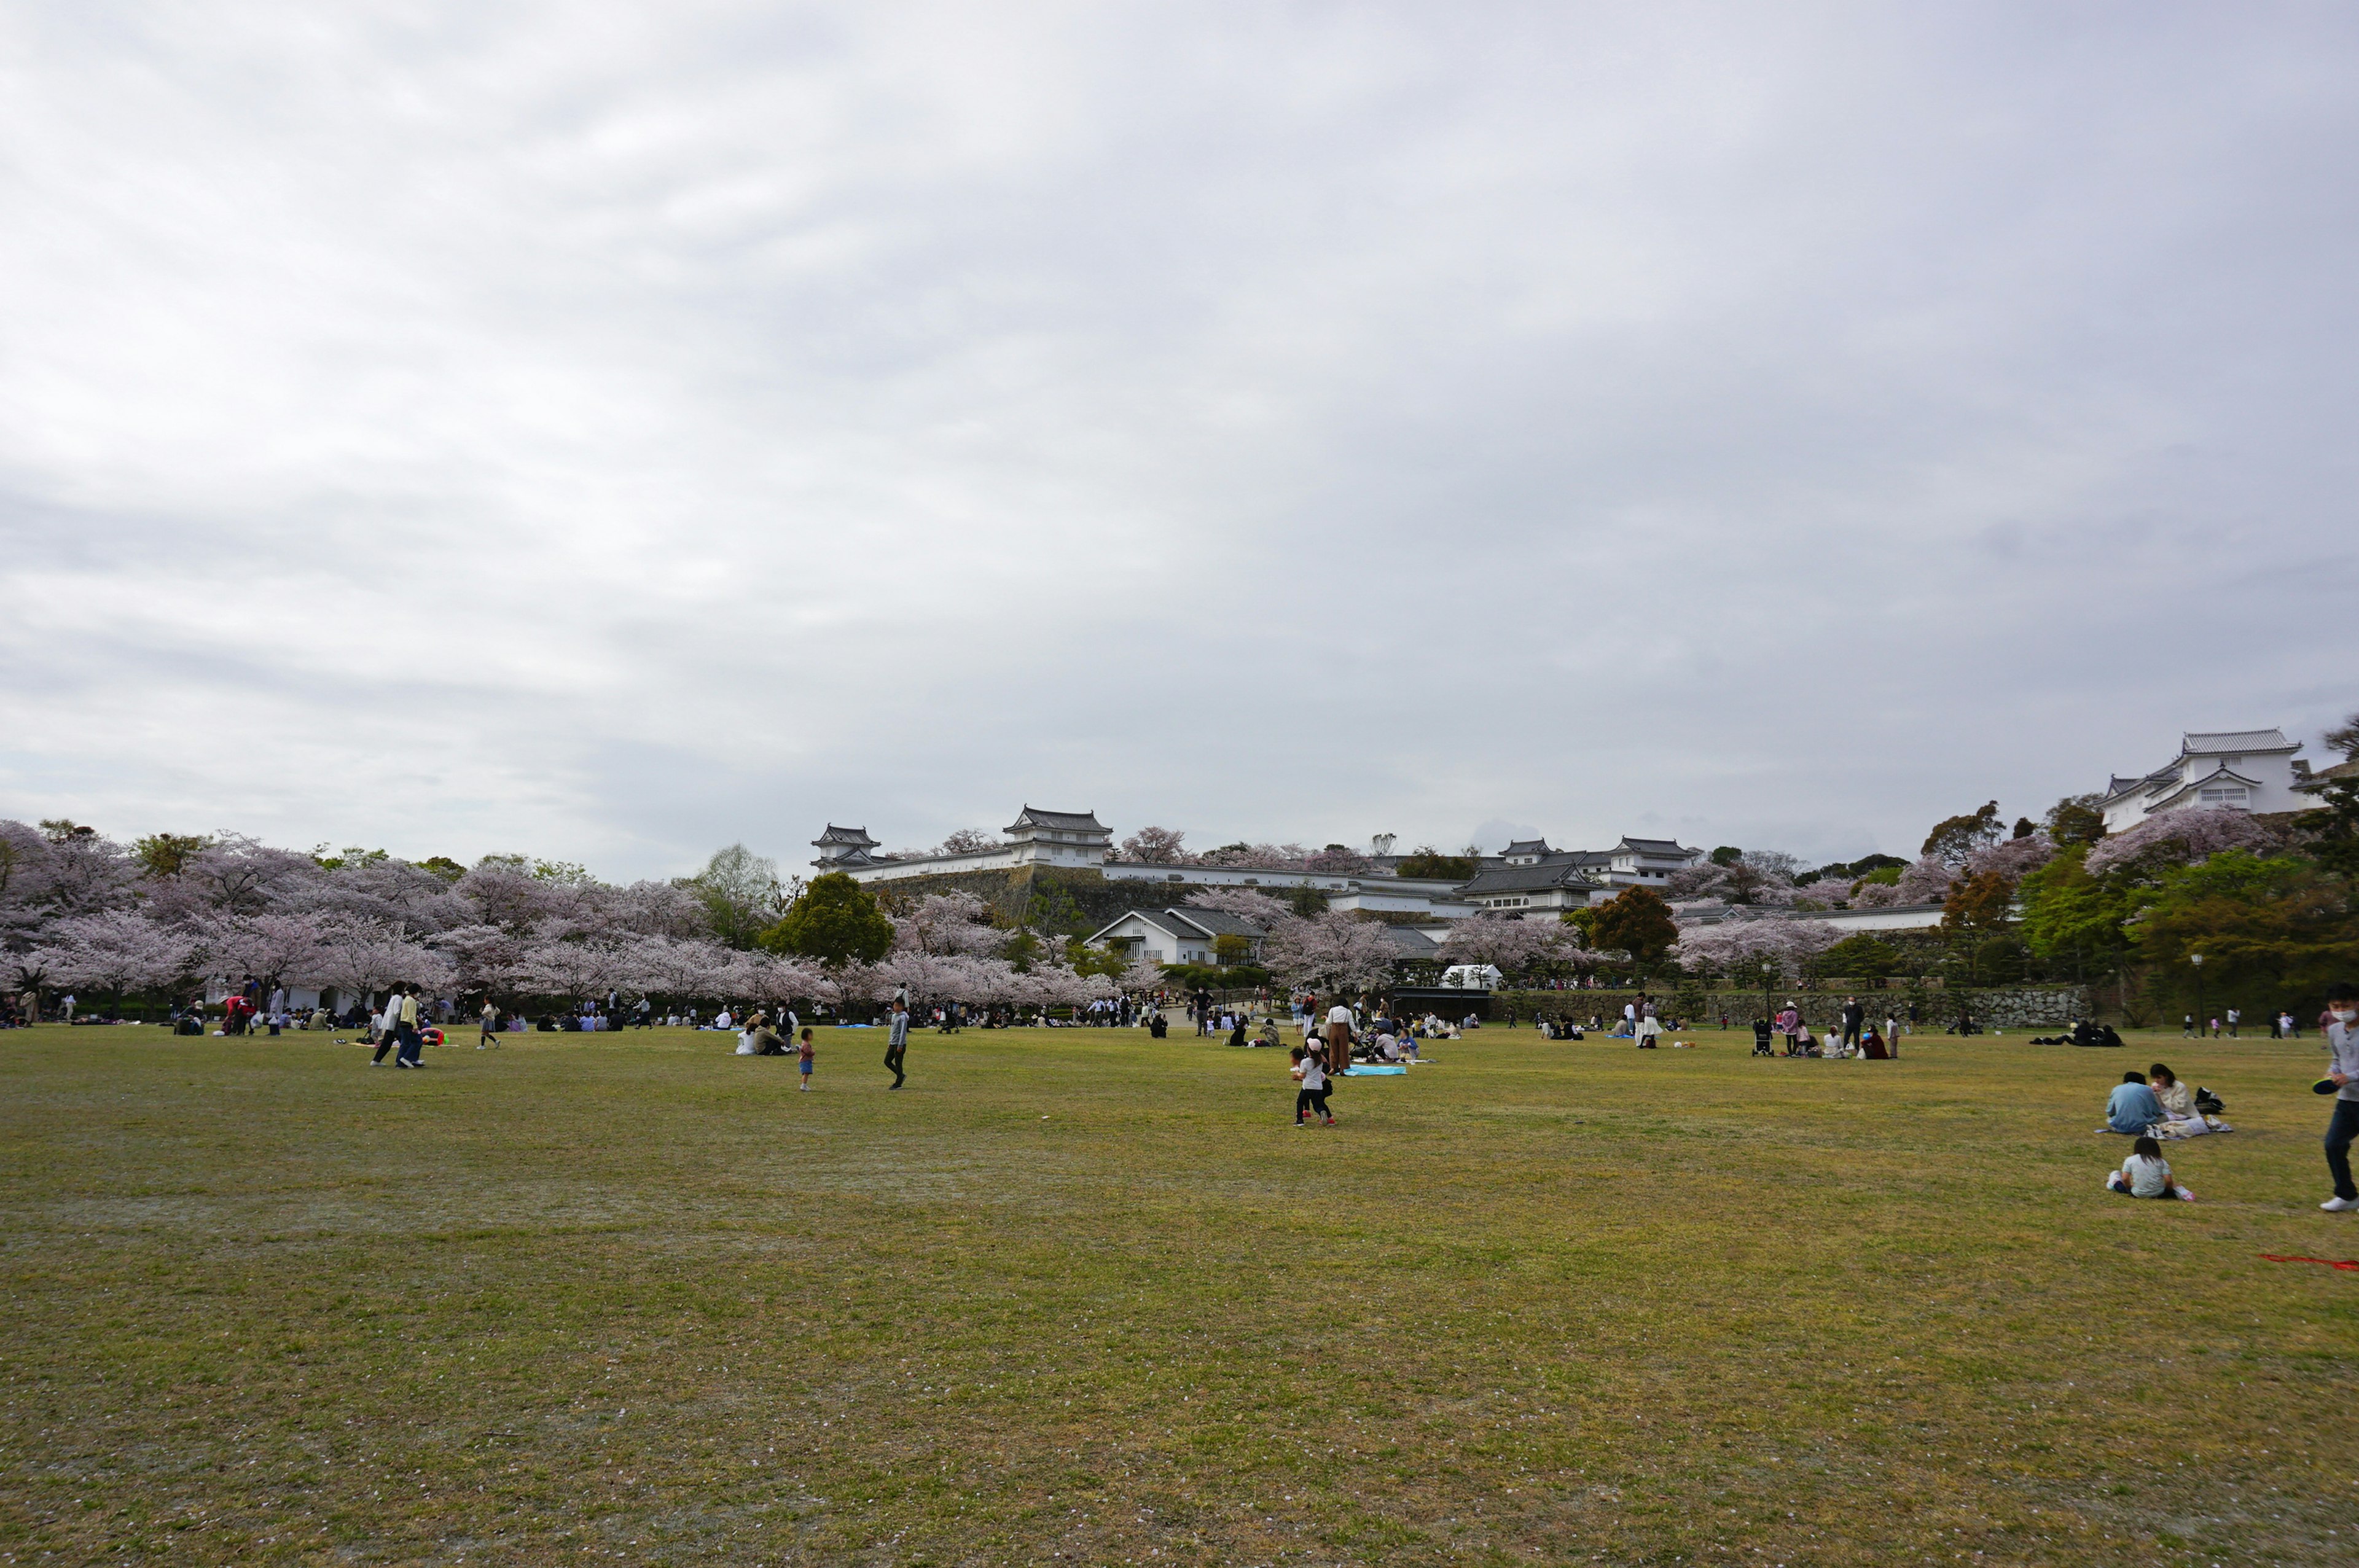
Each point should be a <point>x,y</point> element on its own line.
<point>2198,743</point>
<point>2216,776</point>
<point>1086,821</point>
<point>1410,942</point>
<point>1217,922</point>
<point>1665,847</point>
<point>1559,872</point>
<point>1159,919</point>
<point>1527,846</point>
<point>835,835</point>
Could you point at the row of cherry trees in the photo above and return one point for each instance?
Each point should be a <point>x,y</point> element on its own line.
<point>79,912</point>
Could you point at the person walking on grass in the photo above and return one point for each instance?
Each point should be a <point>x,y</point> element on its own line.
<point>1312,1097</point>
<point>896,1043</point>
<point>489,1019</point>
<point>413,1043</point>
<point>803,1049</point>
<point>1853,1015</point>
<point>2342,1042</point>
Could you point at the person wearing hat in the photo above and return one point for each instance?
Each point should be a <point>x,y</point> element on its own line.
<point>2343,1041</point>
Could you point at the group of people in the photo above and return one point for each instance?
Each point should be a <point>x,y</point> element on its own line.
<point>1859,1038</point>
<point>2155,1106</point>
<point>2282,1026</point>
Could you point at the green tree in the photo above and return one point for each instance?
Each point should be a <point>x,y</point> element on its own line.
<point>1637,922</point>
<point>1727,855</point>
<point>2071,918</point>
<point>1429,861</point>
<point>835,921</point>
<point>739,891</point>
<point>167,854</point>
<point>2271,924</point>
<point>1955,840</point>
<point>443,866</point>
<point>2075,820</point>
<point>1306,900</point>
<point>1231,948</point>
<point>1862,957</point>
<point>2333,828</point>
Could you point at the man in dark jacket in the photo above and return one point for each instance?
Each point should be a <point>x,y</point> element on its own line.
<point>1853,1014</point>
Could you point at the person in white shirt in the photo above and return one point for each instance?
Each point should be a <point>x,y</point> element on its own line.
<point>2146,1175</point>
<point>1312,1097</point>
<point>1339,1035</point>
<point>2342,1039</point>
<point>387,1025</point>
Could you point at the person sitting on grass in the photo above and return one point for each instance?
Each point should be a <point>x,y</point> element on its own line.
<point>2180,1118</point>
<point>2132,1109</point>
<point>2146,1175</point>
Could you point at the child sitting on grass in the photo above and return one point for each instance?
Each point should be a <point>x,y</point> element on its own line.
<point>2147,1175</point>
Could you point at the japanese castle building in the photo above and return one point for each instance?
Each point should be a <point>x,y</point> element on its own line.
<point>1528,876</point>
<point>2240,770</point>
<point>1070,838</point>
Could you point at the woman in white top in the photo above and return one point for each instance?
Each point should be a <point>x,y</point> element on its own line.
<point>2180,1118</point>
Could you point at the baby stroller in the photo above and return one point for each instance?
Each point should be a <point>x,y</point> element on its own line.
<point>1762,1035</point>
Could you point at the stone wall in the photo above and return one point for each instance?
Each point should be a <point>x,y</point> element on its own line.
<point>1994,1007</point>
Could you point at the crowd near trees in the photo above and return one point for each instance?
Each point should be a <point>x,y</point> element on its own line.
<point>2268,902</point>
<point>151,921</point>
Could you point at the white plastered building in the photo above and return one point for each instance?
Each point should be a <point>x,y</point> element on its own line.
<point>2238,770</point>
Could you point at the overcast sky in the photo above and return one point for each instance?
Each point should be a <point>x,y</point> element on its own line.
<point>610,432</point>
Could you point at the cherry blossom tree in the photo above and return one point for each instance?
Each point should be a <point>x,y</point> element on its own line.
<point>114,951</point>
<point>968,841</point>
<point>2013,858</point>
<point>948,923</point>
<point>1244,903</point>
<point>1257,857</point>
<point>573,969</point>
<point>1739,948</point>
<point>1330,952</point>
<point>1156,847</point>
<point>1511,945</point>
<point>1926,881</point>
<point>365,956</point>
<point>2179,838</point>
<point>277,948</point>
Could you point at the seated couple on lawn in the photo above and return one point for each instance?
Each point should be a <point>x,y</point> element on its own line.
<point>2158,1104</point>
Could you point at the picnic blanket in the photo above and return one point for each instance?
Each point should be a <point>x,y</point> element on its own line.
<point>2330,1262</point>
<point>1370,1070</point>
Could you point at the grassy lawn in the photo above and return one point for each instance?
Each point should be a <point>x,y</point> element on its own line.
<point>1080,1295</point>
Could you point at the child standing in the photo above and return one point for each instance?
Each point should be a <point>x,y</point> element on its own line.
<point>2147,1175</point>
<point>803,1049</point>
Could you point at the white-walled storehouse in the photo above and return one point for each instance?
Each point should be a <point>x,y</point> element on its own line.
<point>2241,770</point>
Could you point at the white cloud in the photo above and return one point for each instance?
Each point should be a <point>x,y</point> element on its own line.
<point>612,432</point>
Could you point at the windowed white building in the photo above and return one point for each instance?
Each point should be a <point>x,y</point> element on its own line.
<point>2241,770</point>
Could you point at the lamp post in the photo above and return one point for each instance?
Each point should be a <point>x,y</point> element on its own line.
<point>2203,1027</point>
<point>1768,973</point>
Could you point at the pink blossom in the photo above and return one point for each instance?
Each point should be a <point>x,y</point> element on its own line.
<point>2181,838</point>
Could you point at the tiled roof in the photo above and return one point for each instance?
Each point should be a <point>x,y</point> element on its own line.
<point>1412,942</point>
<point>1085,820</point>
<point>835,835</point>
<point>1657,846</point>
<point>1529,847</point>
<point>1217,922</point>
<point>1159,919</point>
<point>1561,872</point>
<point>2237,741</point>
